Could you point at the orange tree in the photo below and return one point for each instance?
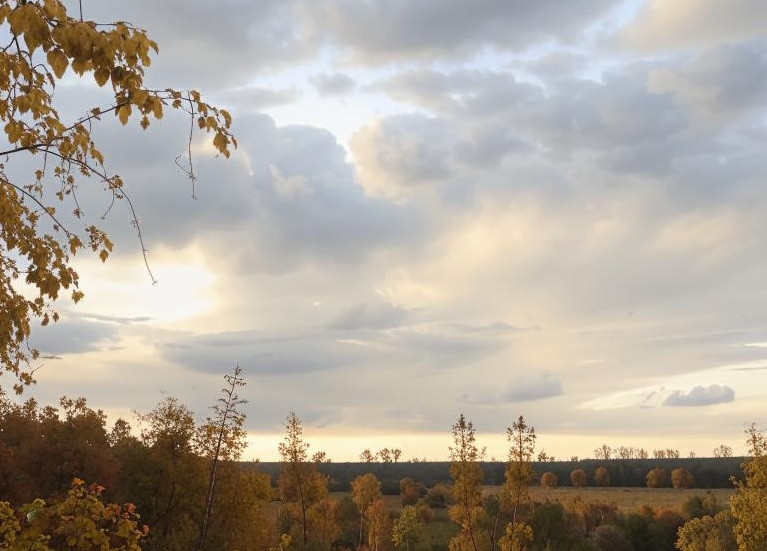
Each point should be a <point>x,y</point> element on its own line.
<point>43,43</point>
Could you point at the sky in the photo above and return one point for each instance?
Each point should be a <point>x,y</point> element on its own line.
<point>497,208</point>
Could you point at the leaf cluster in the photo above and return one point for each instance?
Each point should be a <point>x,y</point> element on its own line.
<point>44,41</point>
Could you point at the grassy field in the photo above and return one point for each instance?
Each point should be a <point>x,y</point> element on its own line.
<point>627,499</point>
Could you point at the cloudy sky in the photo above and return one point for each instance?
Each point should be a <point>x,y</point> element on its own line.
<point>496,207</point>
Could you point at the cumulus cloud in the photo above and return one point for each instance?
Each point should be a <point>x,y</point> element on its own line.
<point>534,387</point>
<point>725,79</point>
<point>661,24</point>
<point>700,396</point>
<point>213,44</point>
<point>382,30</point>
<point>468,92</point>
<point>397,154</point>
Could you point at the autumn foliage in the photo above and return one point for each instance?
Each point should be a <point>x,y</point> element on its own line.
<point>45,42</point>
<point>80,521</point>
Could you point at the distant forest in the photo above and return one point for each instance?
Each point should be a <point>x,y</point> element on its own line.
<point>708,472</point>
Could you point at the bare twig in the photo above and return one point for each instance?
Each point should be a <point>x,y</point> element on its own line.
<point>45,209</point>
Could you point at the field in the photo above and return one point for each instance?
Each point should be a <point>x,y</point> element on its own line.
<point>441,529</point>
<point>627,499</point>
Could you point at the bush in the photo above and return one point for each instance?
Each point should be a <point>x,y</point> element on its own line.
<point>700,506</point>
<point>578,478</point>
<point>601,477</point>
<point>682,479</point>
<point>657,478</point>
<point>81,520</point>
<point>438,496</point>
<point>549,480</point>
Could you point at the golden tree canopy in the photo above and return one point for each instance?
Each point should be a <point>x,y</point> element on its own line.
<point>44,42</point>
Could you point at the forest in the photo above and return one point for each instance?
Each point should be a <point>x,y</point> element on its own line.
<point>68,480</point>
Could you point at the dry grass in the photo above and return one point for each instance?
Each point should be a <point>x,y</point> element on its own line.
<point>627,499</point>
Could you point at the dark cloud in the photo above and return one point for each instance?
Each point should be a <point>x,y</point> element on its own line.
<point>727,79</point>
<point>258,353</point>
<point>700,396</point>
<point>207,44</point>
<point>617,113</point>
<point>287,196</point>
<point>364,316</point>
<point>617,118</point>
<point>534,387</point>
<point>309,207</point>
<point>384,30</point>
<point>333,84</point>
<point>75,336</point>
<point>474,93</point>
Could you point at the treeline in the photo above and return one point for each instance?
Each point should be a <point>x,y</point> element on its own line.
<point>68,480</point>
<point>708,472</point>
<point>172,485</point>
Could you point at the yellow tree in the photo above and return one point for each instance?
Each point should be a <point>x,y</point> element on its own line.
<point>578,478</point>
<point>601,477</point>
<point>749,504</point>
<point>222,438</point>
<point>519,471</point>
<point>43,43</point>
<point>467,476</point>
<point>323,525</point>
<point>379,526</point>
<point>657,478</point>
<point>549,480</point>
<point>300,482</point>
<point>366,489</point>
<point>682,478</point>
<point>707,533</point>
<point>408,528</point>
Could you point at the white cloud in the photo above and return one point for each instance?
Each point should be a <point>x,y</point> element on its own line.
<point>517,191</point>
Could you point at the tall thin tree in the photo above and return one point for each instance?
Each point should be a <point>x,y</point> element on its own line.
<point>224,431</point>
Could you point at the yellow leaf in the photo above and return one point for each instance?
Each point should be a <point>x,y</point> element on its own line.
<point>101,75</point>
<point>157,108</point>
<point>123,113</point>
<point>58,62</point>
